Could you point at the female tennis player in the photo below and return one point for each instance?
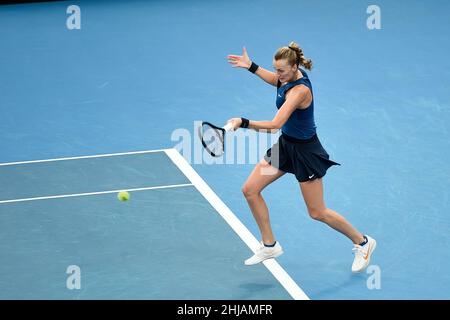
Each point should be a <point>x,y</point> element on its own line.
<point>297,151</point>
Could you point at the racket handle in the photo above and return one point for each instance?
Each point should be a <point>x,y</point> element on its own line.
<point>228,126</point>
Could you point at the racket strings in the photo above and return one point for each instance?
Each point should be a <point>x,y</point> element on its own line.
<point>212,139</point>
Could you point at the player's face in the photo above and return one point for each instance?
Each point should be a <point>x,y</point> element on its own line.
<point>284,71</point>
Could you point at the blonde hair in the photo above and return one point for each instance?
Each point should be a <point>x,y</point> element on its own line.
<point>294,55</point>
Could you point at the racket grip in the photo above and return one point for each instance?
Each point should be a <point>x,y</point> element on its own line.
<point>228,126</point>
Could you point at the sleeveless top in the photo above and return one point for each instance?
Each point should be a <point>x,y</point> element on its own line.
<point>300,124</point>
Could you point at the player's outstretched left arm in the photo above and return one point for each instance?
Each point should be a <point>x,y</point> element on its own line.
<point>245,62</point>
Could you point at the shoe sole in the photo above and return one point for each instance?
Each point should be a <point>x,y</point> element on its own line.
<point>273,257</point>
<point>368,258</point>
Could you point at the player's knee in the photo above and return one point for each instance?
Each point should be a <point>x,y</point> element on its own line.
<point>249,191</point>
<point>318,214</point>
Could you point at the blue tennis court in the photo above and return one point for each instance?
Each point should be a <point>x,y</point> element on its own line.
<point>113,104</point>
<point>167,243</point>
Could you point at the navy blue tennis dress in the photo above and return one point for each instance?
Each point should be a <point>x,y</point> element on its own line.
<point>298,149</point>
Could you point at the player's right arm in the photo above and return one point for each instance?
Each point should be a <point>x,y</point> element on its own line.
<point>245,62</point>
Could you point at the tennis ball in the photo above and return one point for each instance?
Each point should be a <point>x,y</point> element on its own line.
<point>123,196</point>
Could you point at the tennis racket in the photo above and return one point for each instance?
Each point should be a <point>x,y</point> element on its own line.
<point>213,137</point>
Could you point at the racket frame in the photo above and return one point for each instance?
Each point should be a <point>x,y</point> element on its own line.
<point>227,127</point>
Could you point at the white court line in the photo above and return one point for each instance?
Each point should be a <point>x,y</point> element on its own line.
<point>95,193</point>
<point>82,157</point>
<point>279,273</point>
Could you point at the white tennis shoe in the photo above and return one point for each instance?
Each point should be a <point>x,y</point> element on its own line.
<point>362,255</point>
<point>264,253</point>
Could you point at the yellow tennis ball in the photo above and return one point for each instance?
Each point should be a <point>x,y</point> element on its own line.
<point>123,196</point>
